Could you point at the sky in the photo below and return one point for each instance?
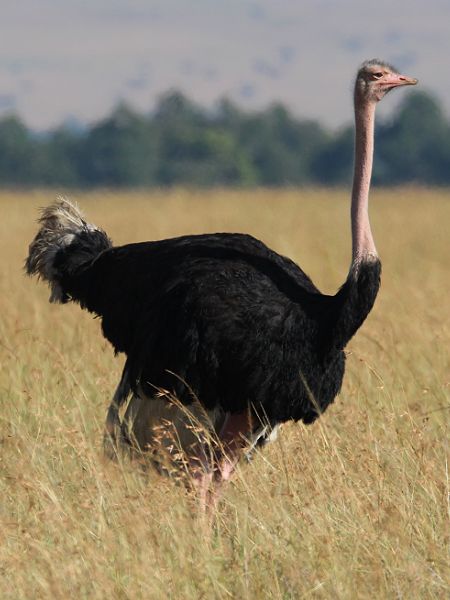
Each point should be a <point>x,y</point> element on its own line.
<point>74,60</point>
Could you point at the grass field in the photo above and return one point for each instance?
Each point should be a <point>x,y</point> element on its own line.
<point>354,506</point>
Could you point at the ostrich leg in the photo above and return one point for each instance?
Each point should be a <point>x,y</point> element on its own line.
<point>112,424</point>
<point>213,468</point>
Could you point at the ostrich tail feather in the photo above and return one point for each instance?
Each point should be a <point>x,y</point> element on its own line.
<point>64,243</point>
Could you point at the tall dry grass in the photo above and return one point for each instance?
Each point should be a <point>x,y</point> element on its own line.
<point>354,506</point>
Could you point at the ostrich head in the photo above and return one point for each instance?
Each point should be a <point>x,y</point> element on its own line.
<point>375,79</point>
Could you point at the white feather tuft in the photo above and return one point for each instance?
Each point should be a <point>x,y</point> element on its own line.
<point>61,223</point>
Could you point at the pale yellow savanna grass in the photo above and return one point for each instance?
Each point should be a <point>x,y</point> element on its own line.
<point>354,506</point>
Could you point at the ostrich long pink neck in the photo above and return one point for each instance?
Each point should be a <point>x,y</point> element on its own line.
<point>363,246</point>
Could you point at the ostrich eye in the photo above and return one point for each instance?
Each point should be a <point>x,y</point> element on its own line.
<point>377,75</point>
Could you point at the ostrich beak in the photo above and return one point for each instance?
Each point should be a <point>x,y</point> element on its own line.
<point>395,80</point>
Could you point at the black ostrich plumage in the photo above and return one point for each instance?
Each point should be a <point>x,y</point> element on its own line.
<point>222,317</point>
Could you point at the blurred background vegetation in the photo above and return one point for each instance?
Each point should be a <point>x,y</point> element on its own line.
<point>182,143</point>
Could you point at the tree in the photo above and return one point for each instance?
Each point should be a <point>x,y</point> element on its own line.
<point>280,147</point>
<point>120,150</point>
<point>59,156</point>
<point>182,143</point>
<point>415,146</point>
<point>195,148</point>
<point>333,164</point>
<point>18,153</point>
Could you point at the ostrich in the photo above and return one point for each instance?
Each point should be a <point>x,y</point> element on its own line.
<point>236,333</point>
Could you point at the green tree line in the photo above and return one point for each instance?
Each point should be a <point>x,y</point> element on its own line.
<point>182,143</point>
